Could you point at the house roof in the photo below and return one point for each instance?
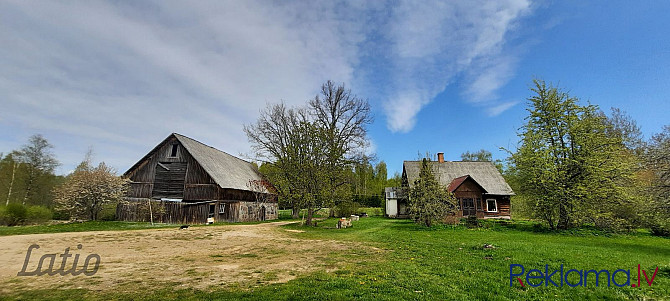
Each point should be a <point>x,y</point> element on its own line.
<point>226,170</point>
<point>457,182</point>
<point>453,173</point>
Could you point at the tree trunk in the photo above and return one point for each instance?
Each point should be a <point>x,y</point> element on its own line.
<point>295,212</point>
<point>29,187</point>
<point>11,183</point>
<point>310,215</point>
<point>563,217</point>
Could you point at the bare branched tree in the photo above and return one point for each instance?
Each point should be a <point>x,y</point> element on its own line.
<point>342,119</point>
<point>308,149</point>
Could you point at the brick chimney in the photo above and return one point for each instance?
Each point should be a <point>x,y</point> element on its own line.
<point>440,157</point>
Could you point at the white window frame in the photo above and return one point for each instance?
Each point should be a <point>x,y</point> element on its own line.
<point>487,205</point>
<point>222,208</point>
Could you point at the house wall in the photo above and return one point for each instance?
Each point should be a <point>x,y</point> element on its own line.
<point>391,207</point>
<point>194,213</point>
<point>252,211</point>
<point>470,189</point>
<point>503,203</point>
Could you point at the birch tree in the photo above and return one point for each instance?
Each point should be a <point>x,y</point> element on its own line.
<point>39,160</point>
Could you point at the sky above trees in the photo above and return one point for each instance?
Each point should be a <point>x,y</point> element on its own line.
<point>447,77</point>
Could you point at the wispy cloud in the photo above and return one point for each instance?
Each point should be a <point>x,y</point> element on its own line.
<point>498,109</point>
<point>122,75</point>
<point>435,42</point>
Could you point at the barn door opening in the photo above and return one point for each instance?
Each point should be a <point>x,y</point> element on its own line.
<point>212,207</point>
<point>169,180</point>
<point>262,213</point>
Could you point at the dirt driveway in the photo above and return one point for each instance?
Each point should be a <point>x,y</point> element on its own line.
<point>198,257</point>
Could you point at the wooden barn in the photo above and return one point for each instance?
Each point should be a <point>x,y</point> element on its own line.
<point>479,187</point>
<point>184,181</point>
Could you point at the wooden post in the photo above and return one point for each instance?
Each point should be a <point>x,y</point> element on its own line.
<point>151,214</point>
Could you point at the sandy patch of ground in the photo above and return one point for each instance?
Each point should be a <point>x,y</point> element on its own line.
<point>198,257</point>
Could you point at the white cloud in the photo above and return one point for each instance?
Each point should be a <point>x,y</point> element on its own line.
<point>121,76</point>
<point>498,109</point>
<point>131,73</point>
<point>435,42</point>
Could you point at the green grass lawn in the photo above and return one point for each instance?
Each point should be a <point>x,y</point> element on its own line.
<point>80,227</point>
<point>445,262</point>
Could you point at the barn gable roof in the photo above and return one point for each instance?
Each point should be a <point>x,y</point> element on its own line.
<point>226,170</point>
<point>484,173</point>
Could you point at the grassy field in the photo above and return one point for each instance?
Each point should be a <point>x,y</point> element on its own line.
<point>80,227</point>
<point>446,262</point>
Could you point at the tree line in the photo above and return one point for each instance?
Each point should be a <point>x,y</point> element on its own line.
<point>33,193</point>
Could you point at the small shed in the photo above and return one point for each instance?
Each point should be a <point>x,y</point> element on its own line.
<point>396,203</point>
<point>185,181</point>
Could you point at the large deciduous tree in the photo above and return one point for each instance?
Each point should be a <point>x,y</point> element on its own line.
<point>293,150</point>
<point>309,151</point>
<point>568,164</point>
<point>658,162</point>
<point>341,118</point>
<point>429,202</point>
<point>88,189</point>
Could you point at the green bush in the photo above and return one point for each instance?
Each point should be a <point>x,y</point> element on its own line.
<point>38,214</point>
<point>373,211</point>
<point>369,200</point>
<point>3,214</point>
<point>471,221</point>
<point>109,214</point>
<point>660,228</point>
<point>347,208</point>
<point>15,214</point>
<point>61,215</point>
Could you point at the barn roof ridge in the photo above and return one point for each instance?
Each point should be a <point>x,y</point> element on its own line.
<point>226,170</point>
<point>216,149</point>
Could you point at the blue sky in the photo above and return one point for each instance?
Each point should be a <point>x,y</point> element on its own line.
<point>440,76</point>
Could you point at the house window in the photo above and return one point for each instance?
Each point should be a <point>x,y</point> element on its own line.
<point>480,206</point>
<point>222,208</point>
<point>173,151</point>
<point>491,205</point>
<point>249,210</point>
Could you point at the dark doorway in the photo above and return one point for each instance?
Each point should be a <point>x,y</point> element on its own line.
<point>212,207</point>
<point>262,213</point>
<point>469,207</point>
